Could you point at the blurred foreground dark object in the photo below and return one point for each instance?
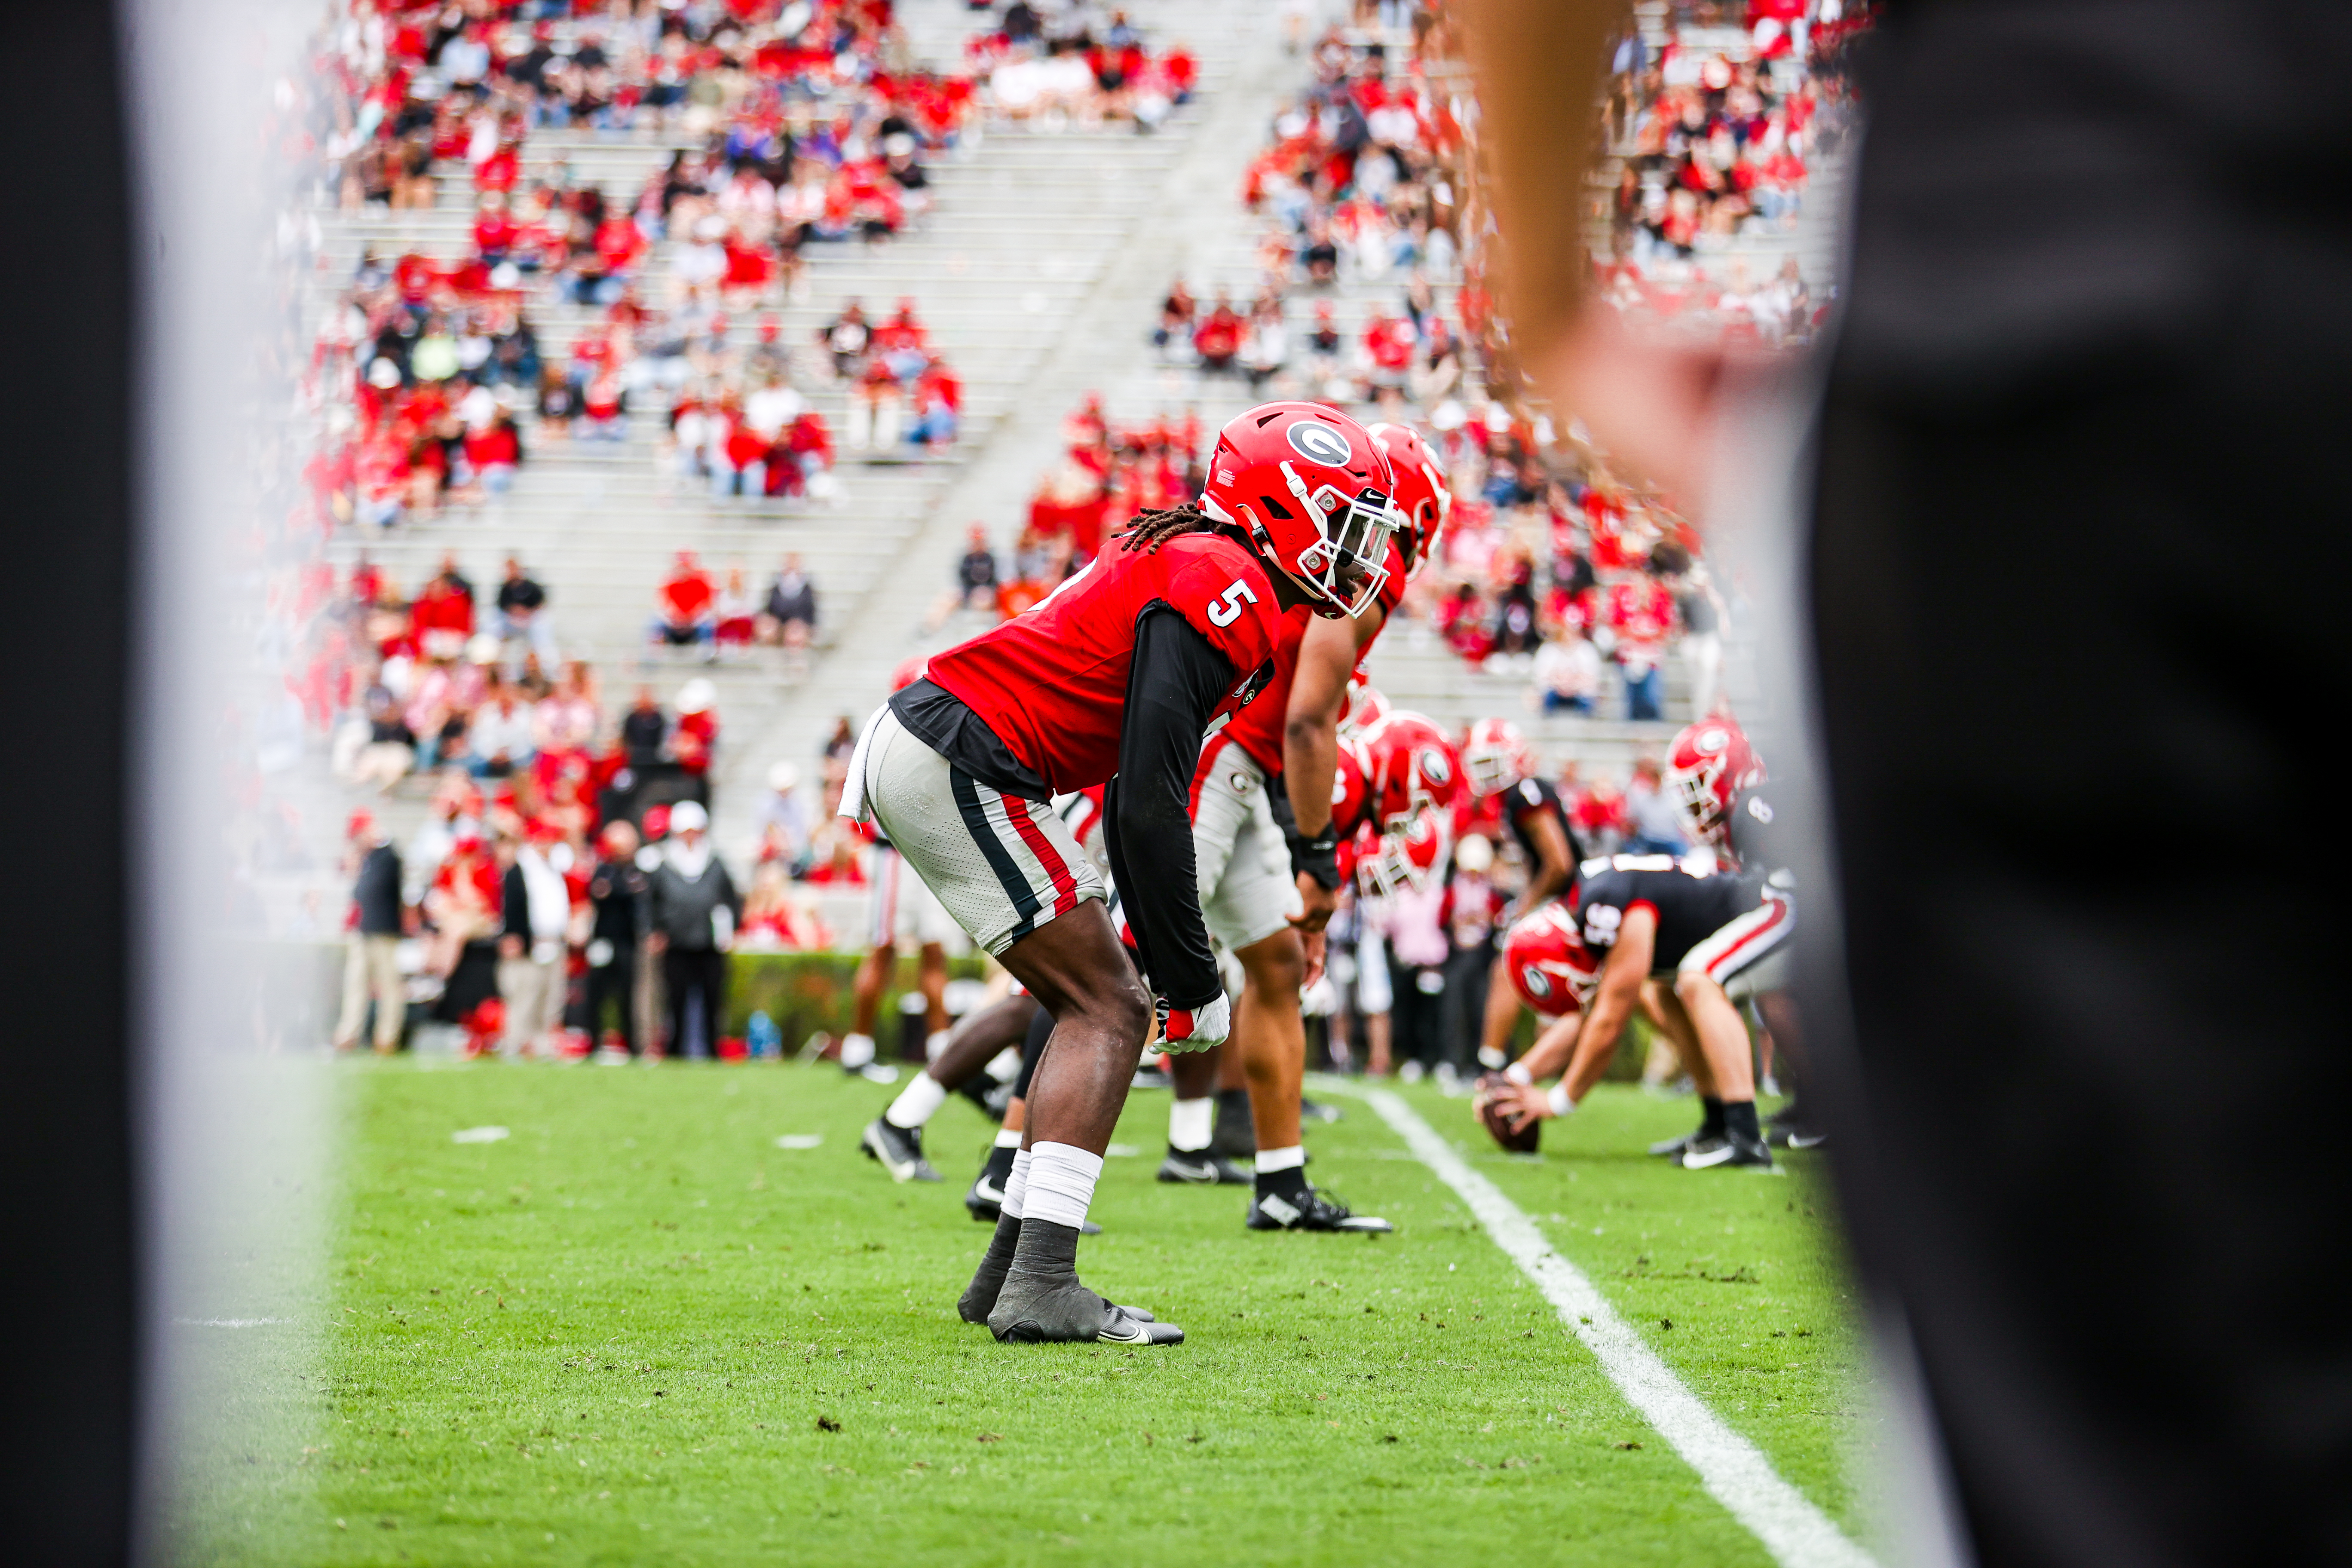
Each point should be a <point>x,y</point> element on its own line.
<point>66,423</point>
<point>2079,567</point>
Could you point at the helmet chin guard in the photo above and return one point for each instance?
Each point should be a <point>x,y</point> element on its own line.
<point>1355,544</point>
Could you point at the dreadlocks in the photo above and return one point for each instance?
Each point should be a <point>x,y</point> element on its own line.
<point>1152,530</point>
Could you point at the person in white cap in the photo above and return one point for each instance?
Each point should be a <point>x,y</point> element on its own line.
<point>694,909</point>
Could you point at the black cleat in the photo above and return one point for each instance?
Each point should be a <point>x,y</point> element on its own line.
<point>899,1151</point>
<point>1311,1211</point>
<point>986,1198</point>
<point>1791,1128</point>
<point>1672,1149</point>
<point>1202,1168</point>
<point>1317,1111</point>
<point>1725,1149</point>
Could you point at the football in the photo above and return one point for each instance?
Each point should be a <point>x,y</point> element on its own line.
<point>1527,1140</point>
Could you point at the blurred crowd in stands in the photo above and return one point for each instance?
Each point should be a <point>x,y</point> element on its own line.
<point>1051,64</point>
<point>563,890</point>
<point>811,127</point>
<point>1714,136</point>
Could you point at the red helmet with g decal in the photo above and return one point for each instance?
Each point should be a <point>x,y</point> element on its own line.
<point>1420,494</point>
<point>1311,489</point>
<point>1549,966</point>
<point>1495,755</point>
<point>1706,767</point>
<point>1413,767</point>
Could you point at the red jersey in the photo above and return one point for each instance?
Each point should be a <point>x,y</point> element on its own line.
<point>1052,681</point>
<point>1257,728</point>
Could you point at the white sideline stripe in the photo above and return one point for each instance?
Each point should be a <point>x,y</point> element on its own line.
<point>229,1322</point>
<point>1738,1477</point>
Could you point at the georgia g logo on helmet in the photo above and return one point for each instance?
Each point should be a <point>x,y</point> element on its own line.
<point>1318,443</point>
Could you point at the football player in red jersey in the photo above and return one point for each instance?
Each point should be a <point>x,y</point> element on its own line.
<point>1113,679</point>
<point>1297,741</point>
<point>1268,907</point>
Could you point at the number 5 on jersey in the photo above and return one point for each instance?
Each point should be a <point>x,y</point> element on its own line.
<point>1226,610</point>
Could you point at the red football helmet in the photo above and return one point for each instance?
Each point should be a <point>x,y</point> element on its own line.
<point>1421,493</point>
<point>1550,967</point>
<point>1352,789</point>
<point>1311,489</point>
<point>1363,706</point>
<point>1413,768</point>
<point>1708,765</point>
<point>1495,755</point>
<point>909,672</point>
<point>1409,853</point>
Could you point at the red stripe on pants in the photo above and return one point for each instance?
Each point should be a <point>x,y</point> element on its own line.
<point>1066,887</point>
<point>1780,913</point>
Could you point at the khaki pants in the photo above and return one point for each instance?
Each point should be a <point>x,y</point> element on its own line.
<point>533,994</point>
<point>371,968</point>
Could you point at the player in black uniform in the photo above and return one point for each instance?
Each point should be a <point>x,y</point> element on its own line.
<point>1495,758</point>
<point>1711,937</point>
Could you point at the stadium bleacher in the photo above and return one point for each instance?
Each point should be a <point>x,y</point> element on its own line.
<point>1037,270</point>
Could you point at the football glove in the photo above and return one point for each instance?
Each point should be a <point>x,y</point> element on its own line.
<point>1195,1028</point>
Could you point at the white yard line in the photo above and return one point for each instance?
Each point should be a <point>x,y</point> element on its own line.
<point>229,1322</point>
<point>1733,1471</point>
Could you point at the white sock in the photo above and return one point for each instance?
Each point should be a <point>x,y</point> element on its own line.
<point>1190,1124</point>
<point>917,1103</point>
<point>1008,1137</point>
<point>1061,1179</point>
<point>856,1050</point>
<point>933,1044</point>
<point>1272,1160</point>
<point>1006,1066</point>
<point>1016,1185</point>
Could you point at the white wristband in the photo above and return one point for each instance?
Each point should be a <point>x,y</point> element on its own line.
<point>1558,1099</point>
<point>1518,1074</point>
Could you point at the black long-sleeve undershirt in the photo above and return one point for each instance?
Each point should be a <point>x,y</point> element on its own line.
<point>1176,681</point>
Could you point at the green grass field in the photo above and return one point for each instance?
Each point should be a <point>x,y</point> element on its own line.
<point>638,1330</point>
